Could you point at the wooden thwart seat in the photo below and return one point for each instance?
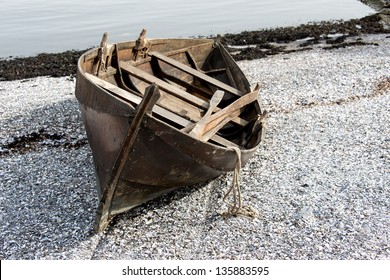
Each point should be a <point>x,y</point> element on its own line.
<point>149,78</point>
<point>196,73</point>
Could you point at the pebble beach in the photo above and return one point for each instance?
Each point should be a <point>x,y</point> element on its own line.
<point>320,180</point>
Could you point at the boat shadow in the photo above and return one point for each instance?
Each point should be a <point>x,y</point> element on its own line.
<point>169,199</point>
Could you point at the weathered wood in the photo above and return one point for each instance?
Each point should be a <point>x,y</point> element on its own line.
<point>164,86</point>
<point>146,77</point>
<point>173,52</point>
<point>198,129</point>
<point>135,100</point>
<point>170,101</point>
<point>210,130</point>
<point>196,73</point>
<point>219,119</point>
<point>150,98</point>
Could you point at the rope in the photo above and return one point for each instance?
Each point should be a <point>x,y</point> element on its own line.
<point>237,208</point>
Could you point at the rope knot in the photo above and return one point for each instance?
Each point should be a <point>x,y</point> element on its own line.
<point>237,208</point>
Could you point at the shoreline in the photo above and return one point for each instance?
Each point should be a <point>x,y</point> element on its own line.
<point>319,181</point>
<point>246,45</point>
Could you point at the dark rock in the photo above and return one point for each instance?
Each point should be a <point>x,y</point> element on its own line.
<point>65,64</point>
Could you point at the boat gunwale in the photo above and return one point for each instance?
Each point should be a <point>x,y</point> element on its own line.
<point>210,142</point>
<point>92,54</point>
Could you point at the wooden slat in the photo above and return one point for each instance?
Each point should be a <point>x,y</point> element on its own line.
<point>236,105</point>
<point>196,73</point>
<point>216,121</point>
<point>135,99</point>
<point>169,101</point>
<point>198,129</point>
<point>158,110</point>
<point>173,52</point>
<point>146,77</point>
<point>149,78</point>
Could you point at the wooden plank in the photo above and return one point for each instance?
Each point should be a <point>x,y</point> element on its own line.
<point>198,129</point>
<point>196,73</point>
<point>169,101</point>
<point>237,104</point>
<point>149,78</point>
<point>135,99</point>
<point>170,53</point>
<point>180,107</point>
<point>158,110</point>
<point>216,121</point>
<point>172,102</point>
<point>211,131</point>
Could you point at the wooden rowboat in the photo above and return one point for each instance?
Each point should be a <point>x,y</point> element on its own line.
<point>162,114</point>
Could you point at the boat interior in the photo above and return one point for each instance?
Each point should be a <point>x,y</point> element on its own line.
<point>202,91</point>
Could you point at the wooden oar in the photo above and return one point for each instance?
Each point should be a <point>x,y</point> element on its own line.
<point>152,94</point>
<point>217,120</point>
<point>219,124</point>
<point>198,129</point>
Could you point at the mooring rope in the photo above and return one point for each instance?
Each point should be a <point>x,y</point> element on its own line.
<point>237,208</point>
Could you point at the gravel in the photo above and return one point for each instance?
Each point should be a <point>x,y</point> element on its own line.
<point>320,181</point>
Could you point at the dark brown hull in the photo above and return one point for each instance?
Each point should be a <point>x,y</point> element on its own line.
<point>162,156</point>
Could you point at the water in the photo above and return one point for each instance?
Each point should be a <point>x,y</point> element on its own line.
<point>28,27</point>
